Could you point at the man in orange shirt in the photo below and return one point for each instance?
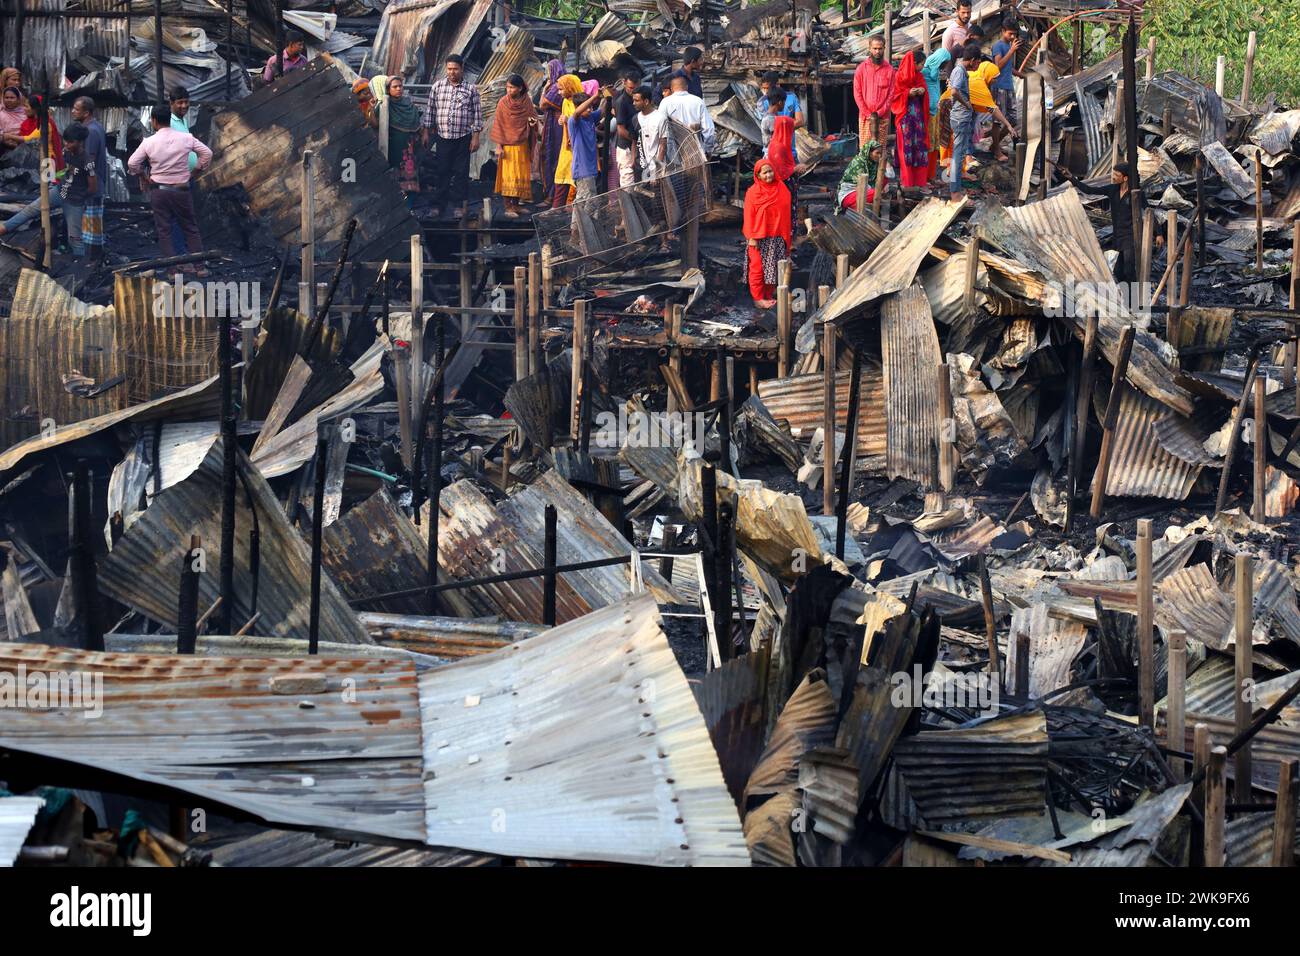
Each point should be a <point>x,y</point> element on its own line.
<point>873,89</point>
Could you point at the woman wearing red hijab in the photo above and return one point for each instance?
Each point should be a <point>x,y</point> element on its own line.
<point>767,231</point>
<point>911,107</point>
<point>780,153</point>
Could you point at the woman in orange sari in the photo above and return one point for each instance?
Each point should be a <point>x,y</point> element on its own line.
<point>767,231</point>
<point>780,153</point>
<point>514,130</point>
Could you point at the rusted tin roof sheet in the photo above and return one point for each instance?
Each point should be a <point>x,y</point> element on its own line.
<point>143,569</point>
<point>798,401</point>
<point>295,848</point>
<point>910,346</point>
<point>259,143</point>
<point>995,769</point>
<point>312,742</point>
<point>1141,467</point>
<point>583,743</point>
<point>374,548</point>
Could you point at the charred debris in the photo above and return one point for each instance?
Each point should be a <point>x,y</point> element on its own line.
<point>941,562</point>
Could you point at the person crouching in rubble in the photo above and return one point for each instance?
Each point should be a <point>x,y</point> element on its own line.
<point>167,154</point>
<point>767,228</point>
<point>515,131</point>
<point>866,163</point>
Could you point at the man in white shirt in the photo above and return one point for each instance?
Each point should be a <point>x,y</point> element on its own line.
<point>689,110</point>
<point>652,145</point>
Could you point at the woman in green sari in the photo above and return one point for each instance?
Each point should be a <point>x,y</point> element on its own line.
<point>864,164</point>
<point>403,133</point>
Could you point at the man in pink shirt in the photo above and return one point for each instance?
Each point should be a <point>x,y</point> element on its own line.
<point>873,88</point>
<point>954,38</point>
<point>167,152</point>
<point>294,58</point>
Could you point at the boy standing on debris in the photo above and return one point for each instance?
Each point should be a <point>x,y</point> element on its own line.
<point>167,154</point>
<point>1004,95</point>
<point>961,117</point>
<point>454,117</point>
<point>92,210</point>
<point>873,89</point>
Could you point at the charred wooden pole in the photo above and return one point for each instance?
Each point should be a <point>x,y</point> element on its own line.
<point>1284,812</point>
<point>1259,509</point>
<point>548,565</point>
<point>520,323</point>
<point>85,577</point>
<point>1145,628</point>
<point>47,173</point>
<point>1117,386</point>
<point>1259,211</point>
<point>1216,804</point>
<point>1131,128</point>
<point>850,445</point>
<point>783,330</point>
<point>157,51</point>
<point>828,418</point>
<point>307,230</point>
<point>722,576</point>
<point>536,357</point>
<point>1248,75</point>
<point>417,328</point>
<point>947,432</point>
<point>708,533</point>
<point>972,273</point>
<point>1176,706</point>
<point>317,531</point>
<point>880,167</point>
<point>1200,211</point>
<point>860,195</point>
<point>388,296</point>
<point>1022,665</point>
<point>1244,590</point>
<point>577,368</point>
<point>1234,436</point>
<point>434,471</point>
<point>724,411</point>
<point>229,452</point>
<point>279,37</point>
<point>187,607</point>
<point>990,621</point>
<point>584,397</point>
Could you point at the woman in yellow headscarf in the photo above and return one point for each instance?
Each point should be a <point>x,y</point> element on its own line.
<point>570,86</point>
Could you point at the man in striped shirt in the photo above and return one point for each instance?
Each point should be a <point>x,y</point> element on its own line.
<point>454,117</point>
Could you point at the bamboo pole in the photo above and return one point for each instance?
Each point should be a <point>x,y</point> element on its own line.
<point>1284,813</point>
<point>972,273</point>
<point>1176,699</point>
<point>842,264</point>
<point>1145,628</point>
<point>1259,210</point>
<point>947,430</point>
<point>577,365</point>
<point>536,359</point>
<point>1244,671</point>
<point>783,330</point>
<point>1216,803</point>
<point>860,201</point>
<point>990,623</point>
<point>307,230</point>
<point>1249,75</point>
<point>1220,69</point>
<point>1112,418</point>
<point>520,321</point>
<point>1151,57</point>
<point>1083,402</point>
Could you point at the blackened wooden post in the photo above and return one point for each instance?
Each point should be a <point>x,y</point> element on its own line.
<point>1200,211</point>
<point>229,451</point>
<point>1131,128</point>
<point>1216,805</point>
<point>1176,701</point>
<point>279,37</point>
<point>548,564</point>
<point>669,542</point>
<point>1260,489</point>
<point>230,51</point>
<point>1244,668</point>
<point>846,460</point>
<point>1234,436</point>
<point>584,397</point>
<point>1284,813</point>
<point>157,51</point>
<point>187,608</point>
<point>724,410</point>
<point>722,575</point>
<point>828,418</point>
<point>85,579</point>
<point>1022,665</point>
<point>520,323</point>
<point>1145,628</point>
<point>990,622</point>
<point>433,474</point>
<point>317,529</point>
<point>1117,386</point>
<point>47,229</point>
<point>709,532</point>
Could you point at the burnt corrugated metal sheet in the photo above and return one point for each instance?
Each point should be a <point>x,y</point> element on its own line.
<point>730,698</point>
<point>143,569</point>
<point>798,401</point>
<point>312,742</point>
<point>294,848</point>
<point>1135,844</point>
<point>891,267</point>
<point>260,143</point>
<point>415,38</point>
<point>1203,326</point>
<point>1191,599</point>
<point>200,402</point>
<point>162,354</point>
<point>581,743</point>
<point>1249,837</point>
<point>995,769</point>
<point>851,233</point>
<point>45,45</point>
<point>49,334</point>
<point>1055,237</point>
<point>806,722</point>
<point>447,638</point>
<point>1140,466</point>
<point>374,549</point>
<point>17,814</point>
<point>910,347</point>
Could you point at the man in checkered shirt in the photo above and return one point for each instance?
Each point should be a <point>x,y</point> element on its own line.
<point>455,118</point>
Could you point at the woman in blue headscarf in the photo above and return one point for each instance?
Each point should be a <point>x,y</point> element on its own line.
<point>935,72</point>
<point>552,105</point>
